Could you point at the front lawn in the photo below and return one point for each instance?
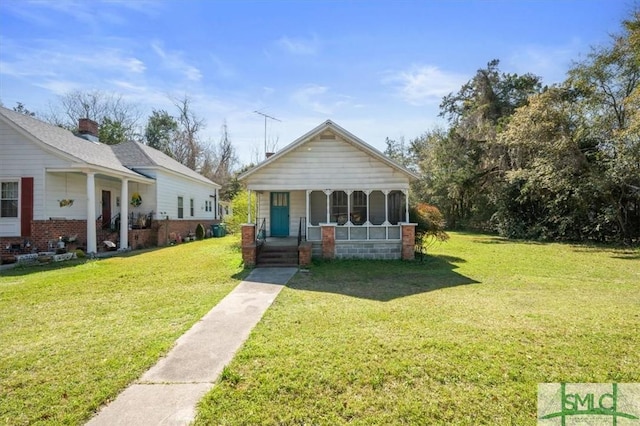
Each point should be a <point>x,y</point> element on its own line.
<point>463,337</point>
<point>73,335</point>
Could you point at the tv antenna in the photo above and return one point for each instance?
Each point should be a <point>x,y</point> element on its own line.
<point>265,127</point>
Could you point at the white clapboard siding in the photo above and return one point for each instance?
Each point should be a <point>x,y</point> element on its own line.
<point>171,186</point>
<point>20,157</point>
<point>327,164</point>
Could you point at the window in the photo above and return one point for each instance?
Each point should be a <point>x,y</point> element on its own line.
<point>191,206</point>
<point>339,207</point>
<point>9,199</point>
<point>180,208</point>
<point>358,207</point>
<point>208,206</point>
<point>396,212</point>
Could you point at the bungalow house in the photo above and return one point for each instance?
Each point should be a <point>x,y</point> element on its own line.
<point>56,185</point>
<point>334,195</point>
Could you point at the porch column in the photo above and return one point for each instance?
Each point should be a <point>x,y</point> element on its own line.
<point>91,213</point>
<point>328,192</point>
<point>249,248</point>
<point>386,207</point>
<point>367,192</point>
<point>408,234</point>
<point>406,204</point>
<point>124,215</point>
<point>328,232</point>
<point>249,207</point>
<point>307,219</point>
<point>216,204</point>
<point>348,207</point>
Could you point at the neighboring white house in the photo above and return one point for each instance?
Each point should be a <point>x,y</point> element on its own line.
<point>54,184</point>
<point>331,179</point>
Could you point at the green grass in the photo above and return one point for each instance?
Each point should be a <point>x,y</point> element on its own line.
<point>73,335</point>
<point>463,337</point>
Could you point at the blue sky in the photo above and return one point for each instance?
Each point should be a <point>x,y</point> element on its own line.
<point>377,68</point>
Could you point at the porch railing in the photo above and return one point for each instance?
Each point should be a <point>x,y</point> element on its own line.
<point>261,236</point>
<point>302,230</point>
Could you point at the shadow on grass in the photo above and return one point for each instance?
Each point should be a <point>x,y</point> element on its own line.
<point>381,280</point>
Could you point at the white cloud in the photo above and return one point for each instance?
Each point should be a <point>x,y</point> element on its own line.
<point>173,60</point>
<point>318,99</point>
<point>425,84</point>
<point>299,46</point>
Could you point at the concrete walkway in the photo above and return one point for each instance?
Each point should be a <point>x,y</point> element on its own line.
<point>167,394</point>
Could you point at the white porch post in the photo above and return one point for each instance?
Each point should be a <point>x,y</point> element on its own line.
<point>249,207</point>
<point>306,215</point>
<point>91,213</point>
<point>349,207</point>
<point>216,202</point>
<point>386,207</point>
<point>124,215</point>
<point>328,192</point>
<point>406,205</point>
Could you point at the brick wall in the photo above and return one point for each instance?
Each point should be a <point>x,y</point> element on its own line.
<point>44,231</point>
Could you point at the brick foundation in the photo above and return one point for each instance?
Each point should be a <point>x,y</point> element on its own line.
<point>47,232</point>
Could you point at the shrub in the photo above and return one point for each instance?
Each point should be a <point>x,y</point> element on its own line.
<point>200,232</point>
<point>431,223</point>
<point>80,254</point>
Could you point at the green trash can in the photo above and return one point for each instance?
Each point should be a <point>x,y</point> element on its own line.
<point>216,230</point>
<point>223,229</point>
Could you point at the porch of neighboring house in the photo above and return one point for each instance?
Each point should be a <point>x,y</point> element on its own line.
<point>341,223</point>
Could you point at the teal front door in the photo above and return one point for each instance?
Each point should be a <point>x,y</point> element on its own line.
<point>279,214</point>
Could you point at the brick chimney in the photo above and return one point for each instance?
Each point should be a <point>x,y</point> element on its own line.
<point>87,127</point>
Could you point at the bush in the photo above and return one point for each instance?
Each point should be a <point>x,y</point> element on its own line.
<point>200,232</point>
<point>80,254</point>
<point>431,223</point>
<point>240,207</point>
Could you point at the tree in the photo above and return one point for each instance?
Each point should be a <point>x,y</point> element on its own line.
<point>187,147</point>
<point>160,131</point>
<point>463,165</point>
<point>219,162</point>
<point>107,109</point>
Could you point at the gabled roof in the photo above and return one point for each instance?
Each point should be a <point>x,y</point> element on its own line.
<point>65,144</point>
<point>345,135</point>
<point>121,159</point>
<point>139,156</point>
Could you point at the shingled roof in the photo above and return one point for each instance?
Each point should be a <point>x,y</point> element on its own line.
<point>65,143</point>
<point>139,156</point>
<point>123,158</point>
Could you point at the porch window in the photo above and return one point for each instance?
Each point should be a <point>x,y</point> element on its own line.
<point>358,207</point>
<point>396,212</point>
<point>377,207</point>
<point>9,199</point>
<point>192,206</point>
<point>180,208</point>
<point>338,207</point>
<point>317,208</point>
